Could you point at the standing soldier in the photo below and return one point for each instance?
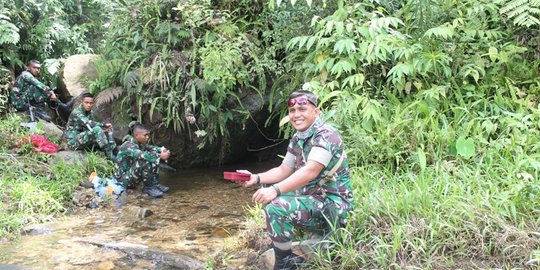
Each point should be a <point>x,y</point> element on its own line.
<point>84,131</point>
<point>137,161</point>
<point>311,188</point>
<point>28,91</point>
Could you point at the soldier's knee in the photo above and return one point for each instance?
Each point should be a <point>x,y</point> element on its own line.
<point>274,208</point>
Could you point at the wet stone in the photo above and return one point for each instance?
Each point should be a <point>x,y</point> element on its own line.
<point>38,230</point>
<point>136,212</point>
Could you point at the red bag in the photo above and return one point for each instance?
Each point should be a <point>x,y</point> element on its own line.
<point>42,145</point>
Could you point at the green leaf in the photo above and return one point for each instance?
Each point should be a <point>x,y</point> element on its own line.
<point>493,52</point>
<point>346,45</point>
<point>443,31</point>
<point>421,158</point>
<point>465,147</point>
<point>451,148</point>
<point>284,121</point>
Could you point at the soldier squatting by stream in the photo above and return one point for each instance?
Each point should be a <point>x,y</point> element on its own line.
<point>311,189</point>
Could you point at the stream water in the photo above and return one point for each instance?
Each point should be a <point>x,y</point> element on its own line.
<point>192,219</point>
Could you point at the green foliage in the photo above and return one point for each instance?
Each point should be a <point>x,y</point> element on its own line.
<point>198,57</point>
<point>5,87</point>
<point>522,12</point>
<point>49,29</point>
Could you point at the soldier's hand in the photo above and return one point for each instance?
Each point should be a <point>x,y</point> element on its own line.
<point>108,126</point>
<point>165,154</point>
<point>52,97</point>
<point>251,182</point>
<point>264,195</point>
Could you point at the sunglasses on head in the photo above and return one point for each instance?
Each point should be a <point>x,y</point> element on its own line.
<point>299,100</point>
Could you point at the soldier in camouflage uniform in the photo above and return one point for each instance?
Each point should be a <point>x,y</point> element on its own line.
<point>29,91</point>
<point>137,161</point>
<point>311,189</point>
<point>83,131</point>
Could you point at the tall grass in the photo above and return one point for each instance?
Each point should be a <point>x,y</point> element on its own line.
<point>441,209</point>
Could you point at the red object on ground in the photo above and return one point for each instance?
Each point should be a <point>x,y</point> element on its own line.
<point>236,176</point>
<point>42,145</point>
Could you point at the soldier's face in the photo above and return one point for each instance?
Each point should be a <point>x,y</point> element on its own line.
<point>34,69</point>
<point>302,115</point>
<point>142,136</point>
<point>88,103</point>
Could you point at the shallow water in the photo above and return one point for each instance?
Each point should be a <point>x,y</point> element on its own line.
<point>193,219</point>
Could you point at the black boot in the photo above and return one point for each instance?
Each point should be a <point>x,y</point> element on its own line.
<point>161,187</point>
<point>286,260</point>
<point>151,189</point>
<point>40,112</point>
<point>64,107</point>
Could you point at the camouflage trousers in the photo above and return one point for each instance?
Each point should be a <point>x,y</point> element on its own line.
<point>141,171</point>
<point>290,211</point>
<point>89,138</point>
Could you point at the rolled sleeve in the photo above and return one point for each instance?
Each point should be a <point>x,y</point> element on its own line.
<point>289,160</point>
<point>320,155</point>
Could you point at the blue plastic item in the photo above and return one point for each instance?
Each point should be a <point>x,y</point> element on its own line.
<point>102,185</point>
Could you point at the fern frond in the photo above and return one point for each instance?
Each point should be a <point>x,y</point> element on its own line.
<point>108,95</point>
<point>522,12</point>
<point>131,80</point>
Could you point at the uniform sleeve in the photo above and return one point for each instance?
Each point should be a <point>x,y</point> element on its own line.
<point>29,78</point>
<point>289,160</point>
<point>321,155</point>
<point>84,120</point>
<point>155,148</point>
<point>149,156</point>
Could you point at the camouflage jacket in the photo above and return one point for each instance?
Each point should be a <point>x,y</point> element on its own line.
<point>326,137</point>
<point>130,152</point>
<point>79,121</point>
<point>28,88</point>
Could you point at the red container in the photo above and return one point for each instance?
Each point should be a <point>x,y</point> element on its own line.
<point>236,176</point>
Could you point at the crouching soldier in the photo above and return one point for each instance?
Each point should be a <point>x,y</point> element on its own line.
<point>137,161</point>
<point>29,91</point>
<point>83,131</point>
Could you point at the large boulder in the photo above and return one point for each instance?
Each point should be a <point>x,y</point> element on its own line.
<point>77,71</point>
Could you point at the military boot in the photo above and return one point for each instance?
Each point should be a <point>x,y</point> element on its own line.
<point>41,112</point>
<point>151,189</point>
<point>161,187</point>
<point>286,260</point>
<point>66,107</point>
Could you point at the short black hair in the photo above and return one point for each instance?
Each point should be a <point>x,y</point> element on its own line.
<point>138,127</point>
<point>310,96</point>
<point>33,61</point>
<point>85,95</point>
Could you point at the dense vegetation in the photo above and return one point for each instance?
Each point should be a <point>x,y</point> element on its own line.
<point>437,101</point>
